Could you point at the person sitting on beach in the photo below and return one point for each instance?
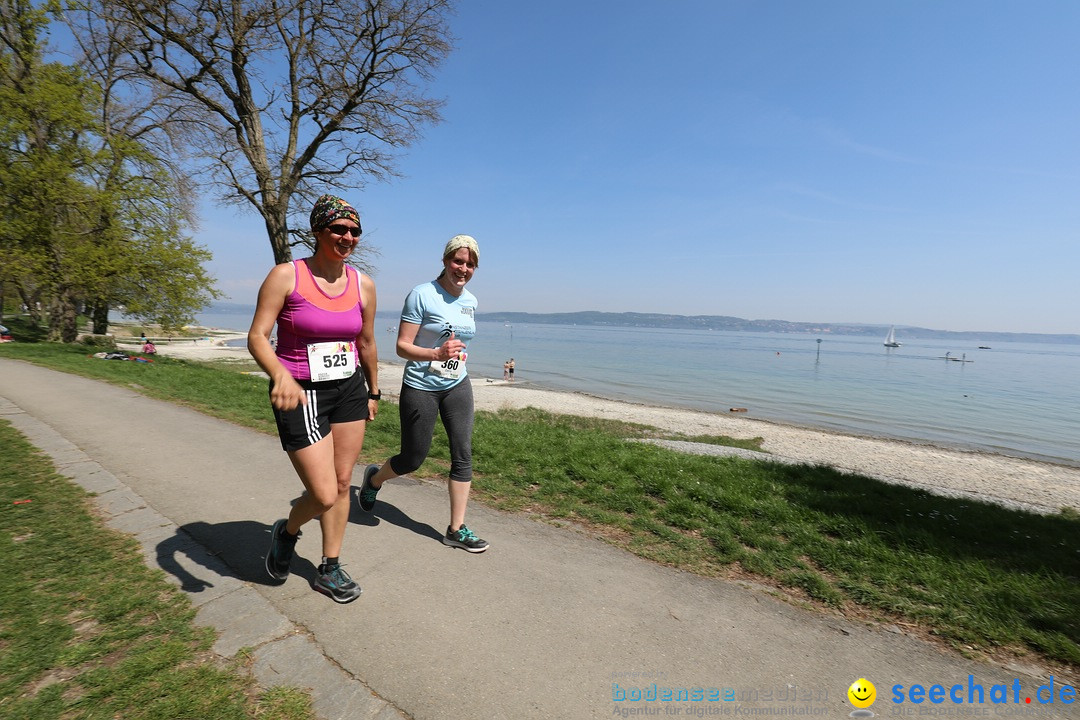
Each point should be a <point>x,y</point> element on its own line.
<point>437,323</point>
<point>324,384</point>
<point>148,348</point>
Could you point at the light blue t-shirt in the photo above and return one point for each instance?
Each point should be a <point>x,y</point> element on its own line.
<point>438,313</point>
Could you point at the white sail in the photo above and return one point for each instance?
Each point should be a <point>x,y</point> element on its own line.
<point>890,339</point>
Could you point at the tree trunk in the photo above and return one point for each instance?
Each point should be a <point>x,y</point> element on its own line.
<point>278,229</point>
<point>30,302</point>
<point>99,313</point>
<point>63,318</point>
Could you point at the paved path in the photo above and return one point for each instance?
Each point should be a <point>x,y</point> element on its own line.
<point>549,623</point>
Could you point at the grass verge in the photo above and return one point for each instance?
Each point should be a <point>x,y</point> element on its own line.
<point>984,579</point>
<point>87,630</point>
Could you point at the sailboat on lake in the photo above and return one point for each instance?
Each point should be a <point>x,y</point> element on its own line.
<point>890,339</point>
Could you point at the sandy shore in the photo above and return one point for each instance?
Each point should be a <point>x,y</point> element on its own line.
<point>1037,486</point>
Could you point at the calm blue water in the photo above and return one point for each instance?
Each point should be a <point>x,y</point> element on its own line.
<point>1016,399</point>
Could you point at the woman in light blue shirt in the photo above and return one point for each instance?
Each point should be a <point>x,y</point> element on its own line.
<point>437,323</point>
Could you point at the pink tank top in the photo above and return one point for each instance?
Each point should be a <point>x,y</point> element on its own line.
<point>312,316</point>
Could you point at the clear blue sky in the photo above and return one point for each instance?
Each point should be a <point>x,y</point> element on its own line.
<point>898,162</point>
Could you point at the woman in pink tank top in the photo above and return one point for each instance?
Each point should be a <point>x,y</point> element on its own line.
<point>324,384</point>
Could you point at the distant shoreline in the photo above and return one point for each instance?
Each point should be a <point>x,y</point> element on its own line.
<point>728,323</point>
<point>734,324</point>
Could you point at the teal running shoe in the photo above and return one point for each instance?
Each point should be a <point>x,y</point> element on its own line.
<point>366,496</point>
<point>332,580</point>
<point>465,539</point>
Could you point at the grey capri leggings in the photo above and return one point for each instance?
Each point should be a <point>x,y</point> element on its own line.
<point>418,410</point>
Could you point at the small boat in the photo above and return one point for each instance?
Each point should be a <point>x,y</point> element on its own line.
<point>890,339</point>
<point>984,347</point>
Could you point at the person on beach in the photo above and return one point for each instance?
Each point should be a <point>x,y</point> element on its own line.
<point>506,370</point>
<point>324,311</point>
<point>511,369</point>
<point>437,323</point>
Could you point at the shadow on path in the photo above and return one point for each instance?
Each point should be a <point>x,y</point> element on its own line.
<point>384,511</point>
<point>232,549</point>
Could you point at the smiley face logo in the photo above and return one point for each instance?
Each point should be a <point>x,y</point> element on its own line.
<point>862,693</point>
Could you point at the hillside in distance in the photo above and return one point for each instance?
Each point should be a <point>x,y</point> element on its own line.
<point>725,322</point>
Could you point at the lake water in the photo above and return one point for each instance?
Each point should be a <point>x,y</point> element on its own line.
<point>1016,399</point>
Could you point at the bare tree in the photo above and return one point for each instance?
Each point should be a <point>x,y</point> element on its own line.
<point>285,98</point>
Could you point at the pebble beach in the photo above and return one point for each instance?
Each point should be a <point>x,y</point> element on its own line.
<point>1011,482</point>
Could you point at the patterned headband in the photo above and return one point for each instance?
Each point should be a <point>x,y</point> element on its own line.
<point>329,208</point>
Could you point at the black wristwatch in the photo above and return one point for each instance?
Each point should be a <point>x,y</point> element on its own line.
<point>375,396</point>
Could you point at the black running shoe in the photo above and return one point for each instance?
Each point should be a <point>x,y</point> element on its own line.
<point>465,539</point>
<point>366,496</point>
<point>332,580</point>
<point>281,551</point>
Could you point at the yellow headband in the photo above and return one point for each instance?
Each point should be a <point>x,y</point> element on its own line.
<point>462,241</point>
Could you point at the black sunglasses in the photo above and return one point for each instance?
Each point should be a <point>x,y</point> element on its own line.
<point>342,230</point>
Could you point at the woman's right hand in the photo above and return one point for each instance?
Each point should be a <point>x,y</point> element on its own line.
<point>287,393</point>
<point>450,349</point>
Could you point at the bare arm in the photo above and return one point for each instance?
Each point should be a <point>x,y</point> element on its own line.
<point>365,341</point>
<point>286,393</point>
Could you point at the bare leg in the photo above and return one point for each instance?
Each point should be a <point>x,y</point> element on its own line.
<point>314,465</point>
<point>459,499</point>
<point>326,470</point>
<point>385,473</point>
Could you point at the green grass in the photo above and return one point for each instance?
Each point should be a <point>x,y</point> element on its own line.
<point>984,579</point>
<point>974,573</point>
<point>87,630</point>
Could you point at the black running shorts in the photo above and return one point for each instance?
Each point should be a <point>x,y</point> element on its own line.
<point>328,403</point>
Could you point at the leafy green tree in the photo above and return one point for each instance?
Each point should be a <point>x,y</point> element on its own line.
<point>286,97</point>
<point>95,218</point>
<point>45,118</point>
<point>150,267</point>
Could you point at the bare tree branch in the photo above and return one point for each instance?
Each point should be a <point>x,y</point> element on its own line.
<point>282,99</point>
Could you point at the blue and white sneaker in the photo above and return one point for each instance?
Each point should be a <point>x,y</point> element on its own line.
<point>332,580</point>
<point>465,539</point>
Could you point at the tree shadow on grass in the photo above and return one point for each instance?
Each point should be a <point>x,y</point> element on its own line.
<point>1032,561</point>
<point>920,521</point>
<point>23,330</point>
